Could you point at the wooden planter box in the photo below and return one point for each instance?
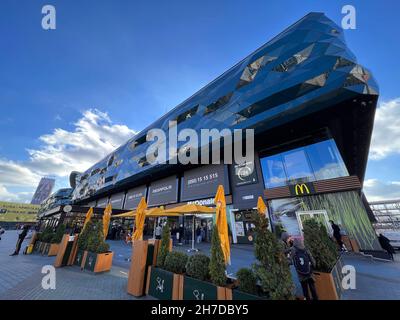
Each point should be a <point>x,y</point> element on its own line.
<point>36,247</point>
<point>194,289</point>
<point>164,285</point>
<point>45,249</point>
<point>80,258</point>
<point>329,285</point>
<point>53,249</point>
<point>98,262</point>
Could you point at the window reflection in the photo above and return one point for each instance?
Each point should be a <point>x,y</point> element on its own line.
<point>317,161</point>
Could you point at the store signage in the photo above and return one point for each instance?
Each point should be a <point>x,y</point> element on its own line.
<point>117,200</point>
<point>244,174</point>
<point>302,189</point>
<point>203,182</point>
<point>102,203</point>
<point>163,191</point>
<point>133,197</point>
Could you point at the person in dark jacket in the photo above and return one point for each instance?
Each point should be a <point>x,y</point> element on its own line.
<point>304,263</point>
<point>181,231</point>
<point>337,235</point>
<point>385,244</point>
<point>21,238</point>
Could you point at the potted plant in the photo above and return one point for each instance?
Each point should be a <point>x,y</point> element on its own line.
<point>246,285</point>
<point>56,239</point>
<point>46,237</point>
<point>196,281</point>
<point>164,246</point>
<point>82,244</point>
<point>272,270</point>
<point>166,282</point>
<point>97,257</point>
<point>324,250</point>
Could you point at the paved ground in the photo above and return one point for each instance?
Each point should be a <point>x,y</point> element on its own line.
<point>20,276</point>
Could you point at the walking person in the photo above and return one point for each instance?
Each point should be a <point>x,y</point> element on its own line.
<point>337,235</point>
<point>21,238</point>
<point>198,234</point>
<point>181,231</point>
<point>158,231</point>
<point>304,263</point>
<point>385,244</point>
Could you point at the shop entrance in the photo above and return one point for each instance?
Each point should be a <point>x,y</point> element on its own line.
<point>320,215</point>
<point>244,226</point>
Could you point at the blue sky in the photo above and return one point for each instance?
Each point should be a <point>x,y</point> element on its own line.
<point>114,66</point>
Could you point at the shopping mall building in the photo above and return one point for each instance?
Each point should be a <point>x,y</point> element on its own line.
<point>312,108</point>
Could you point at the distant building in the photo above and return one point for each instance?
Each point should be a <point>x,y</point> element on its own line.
<point>387,215</point>
<point>43,190</point>
<point>12,213</point>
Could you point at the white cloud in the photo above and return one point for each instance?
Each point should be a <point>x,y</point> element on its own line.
<point>386,134</point>
<point>62,151</point>
<point>5,195</point>
<point>376,190</point>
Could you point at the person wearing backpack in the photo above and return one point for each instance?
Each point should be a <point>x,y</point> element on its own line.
<point>304,263</point>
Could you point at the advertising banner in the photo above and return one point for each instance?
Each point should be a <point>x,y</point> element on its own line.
<point>133,197</point>
<point>203,182</point>
<point>102,203</point>
<point>117,200</point>
<point>163,191</point>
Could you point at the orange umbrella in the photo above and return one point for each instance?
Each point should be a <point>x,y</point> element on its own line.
<point>261,207</point>
<point>140,217</point>
<point>89,215</point>
<point>106,219</point>
<point>222,223</point>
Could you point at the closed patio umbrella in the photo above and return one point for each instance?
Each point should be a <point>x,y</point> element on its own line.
<point>222,223</point>
<point>106,219</point>
<point>139,221</point>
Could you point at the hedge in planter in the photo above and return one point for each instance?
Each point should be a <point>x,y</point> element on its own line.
<point>82,243</point>
<point>196,286</point>
<point>98,255</point>
<point>272,269</point>
<point>324,250</point>
<point>166,283</point>
<point>164,246</point>
<point>45,239</point>
<point>56,239</point>
<point>247,286</point>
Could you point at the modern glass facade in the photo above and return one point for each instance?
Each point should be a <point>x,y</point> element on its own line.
<point>305,69</point>
<point>314,162</point>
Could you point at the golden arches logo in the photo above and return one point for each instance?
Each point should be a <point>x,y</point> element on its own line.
<point>301,188</point>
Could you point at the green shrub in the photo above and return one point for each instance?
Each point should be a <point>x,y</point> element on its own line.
<point>176,262</point>
<point>247,280</point>
<point>95,242</point>
<point>278,230</point>
<point>164,246</point>
<point>272,269</point>
<point>322,248</point>
<point>217,263</point>
<point>198,267</point>
<point>57,237</point>
<point>84,235</point>
<point>47,234</point>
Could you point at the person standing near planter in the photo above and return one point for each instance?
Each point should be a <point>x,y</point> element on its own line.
<point>385,244</point>
<point>304,263</point>
<point>198,234</point>
<point>21,238</point>
<point>337,235</point>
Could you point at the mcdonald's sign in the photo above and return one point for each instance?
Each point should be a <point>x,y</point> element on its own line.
<point>301,189</point>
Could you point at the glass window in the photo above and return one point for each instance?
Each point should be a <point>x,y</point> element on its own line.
<point>318,161</point>
<point>326,160</point>
<point>297,166</point>
<point>274,171</point>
